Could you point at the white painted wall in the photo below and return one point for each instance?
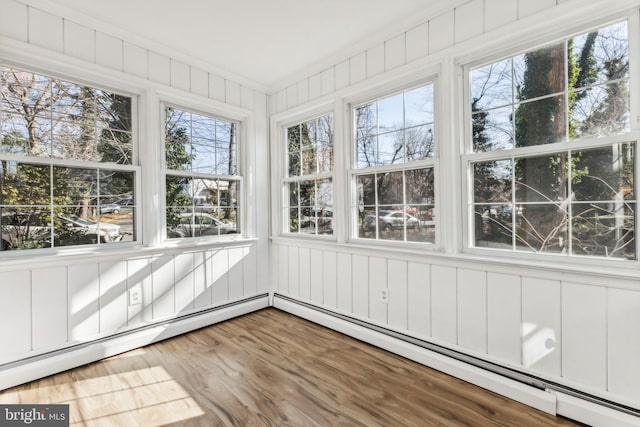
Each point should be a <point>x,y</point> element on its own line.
<point>50,302</point>
<point>576,325</point>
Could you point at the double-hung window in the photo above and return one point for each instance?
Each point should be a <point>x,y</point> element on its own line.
<point>201,181</point>
<point>67,173</point>
<point>551,155</point>
<point>393,173</point>
<point>308,183</point>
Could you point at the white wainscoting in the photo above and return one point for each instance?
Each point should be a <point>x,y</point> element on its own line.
<point>65,304</point>
<point>573,330</point>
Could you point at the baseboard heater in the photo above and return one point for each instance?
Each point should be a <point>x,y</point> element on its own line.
<point>44,364</point>
<point>284,302</point>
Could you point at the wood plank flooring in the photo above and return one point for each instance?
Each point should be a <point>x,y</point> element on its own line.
<point>270,368</point>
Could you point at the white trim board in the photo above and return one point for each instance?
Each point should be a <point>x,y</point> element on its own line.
<point>551,402</point>
<point>40,367</point>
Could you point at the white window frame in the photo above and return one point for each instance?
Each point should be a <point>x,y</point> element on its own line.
<point>431,162</point>
<point>226,113</point>
<point>48,71</point>
<point>468,157</point>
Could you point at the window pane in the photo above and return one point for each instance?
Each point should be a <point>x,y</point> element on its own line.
<point>309,161</point>
<point>492,181</point>
<point>540,72</point>
<point>420,224</point>
<point>419,184</point>
<point>601,111</point>
<point>294,220</point>
<point>604,229</point>
<point>418,143</point>
<point>203,156</point>
<point>604,173</point>
<point>293,139</point>
<point>76,187</point>
<point>390,113</point>
<point>541,179</point>
<point>71,229</point>
<point>543,228</point>
<point>366,187</point>
<point>367,151</point>
<point>367,223</point>
<point>14,136</point>
<point>419,106</point>
<point>602,55</point>
<point>25,227</point>
<point>491,86</point>
<point>179,191</point>
<point>492,230</point>
<point>390,189</point>
<point>177,140</point>
<point>180,222</point>
<point>390,148</point>
<point>541,122</point>
<point>493,129</point>
<point>25,184</point>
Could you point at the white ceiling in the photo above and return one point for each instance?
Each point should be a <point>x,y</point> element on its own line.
<point>263,41</point>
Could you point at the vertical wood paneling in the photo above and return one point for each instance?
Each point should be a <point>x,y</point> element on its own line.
<point>139,276</point>
<point>499,13</point>
<point>417,40</point>
<point>247,98</point>
<point>234,96</point>
<point>184,285</point>
<point>398,294</point>
<point>180,75</point>
<point>201,286</point>
<point>14,20</point>
<point>220,276</point>
<point>623,310</point>
<point>419,298</point>
<point>441,32</point>
<point>84,301</point>
<point>113,296</point>
<point>316,276</point>
<point>250,270</point>
<point>79,41</point>
<point>199,82</point>
<point>345,290</point>
<point>467,20</point>
<point>163,292</point>
<point>282,271</point>
<point>159,68</point>
<point>360,280</point>
<point>472,309</point>
<point>292,96</point>
<point>504,317</point>
<point>236,273</point>
<point>328,81</point>
<point>584,327</point>
<point>443,303</point>
<point>377,282</point>
<point>303,91</point>
<point>342,75</point>
<point>527,8</point>
<point>394,52</point>
<point>217,88</point>
<point>305,273</point>
<point>315,86</point>
<point>15,310</point>
<point>358,67</point>
<point>45,30</point>
<point>49,308</point>
<point>541,332</point>
<point>280,99</point>
<point>136,60</point>
<point>329,279</point>
<point>295,272</point>
<point>108,51</point>
<point>375,60</point>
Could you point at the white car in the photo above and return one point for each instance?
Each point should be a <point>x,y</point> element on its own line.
<point>200,224</point>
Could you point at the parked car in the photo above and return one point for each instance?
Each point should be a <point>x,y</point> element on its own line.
<point>109,208</point>
<point>323,218</point>
<point>34,231</point>
<point>200,224</point>
<point>390,220</point>
<point>127,201</point>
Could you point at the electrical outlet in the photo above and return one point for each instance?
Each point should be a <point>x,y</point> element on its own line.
<point>384,295</point>
<point>135,295</point>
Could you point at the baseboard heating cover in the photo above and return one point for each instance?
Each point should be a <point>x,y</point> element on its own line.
<point>532,391</point>
<point>42,365</point>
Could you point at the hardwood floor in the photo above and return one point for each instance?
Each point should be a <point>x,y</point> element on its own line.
<point>270,368</point>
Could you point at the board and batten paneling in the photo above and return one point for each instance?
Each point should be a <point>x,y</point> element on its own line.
<point>583,334</point>
<point>46,309</point>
